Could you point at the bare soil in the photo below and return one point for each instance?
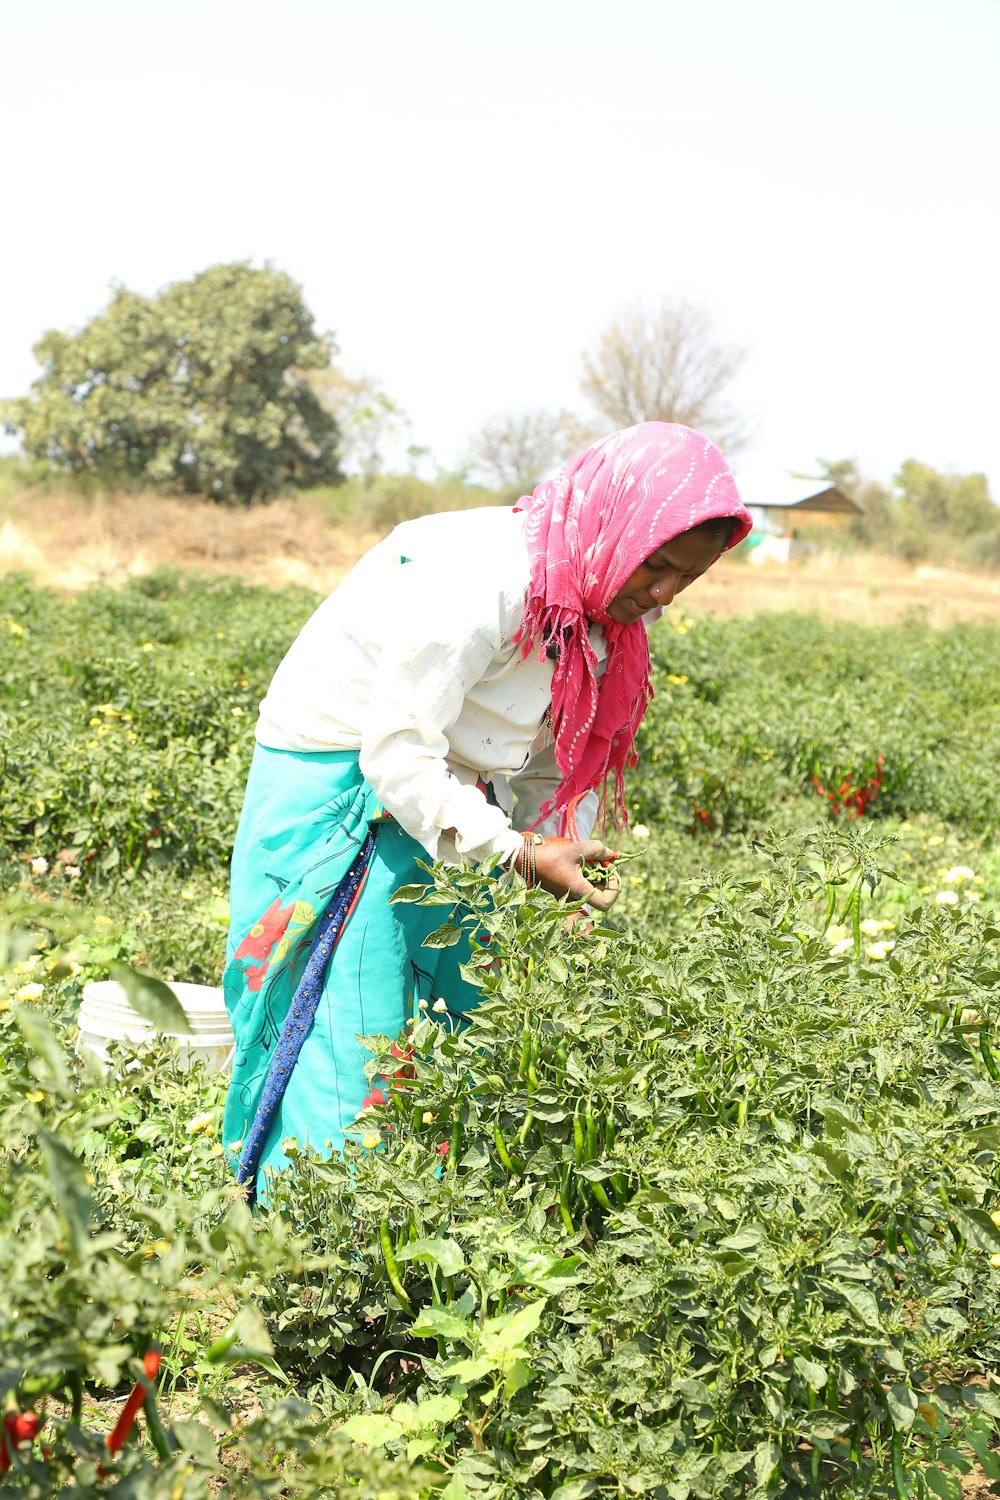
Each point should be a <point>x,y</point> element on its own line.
<point>69,542</point>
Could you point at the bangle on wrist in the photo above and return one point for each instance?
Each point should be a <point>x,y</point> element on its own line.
<point>524,860</point>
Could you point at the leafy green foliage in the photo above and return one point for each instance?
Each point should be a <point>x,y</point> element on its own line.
<point>201,388</point>
<point>702,1203</point>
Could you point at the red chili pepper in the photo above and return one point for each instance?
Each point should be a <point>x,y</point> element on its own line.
<point>370,1100</point>
<point>27,1427</point>
<point>444,1148</point>
<point>18,1427</point>
<point>129,1412</point>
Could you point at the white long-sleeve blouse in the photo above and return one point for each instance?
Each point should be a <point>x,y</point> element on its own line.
<point>411,662</point>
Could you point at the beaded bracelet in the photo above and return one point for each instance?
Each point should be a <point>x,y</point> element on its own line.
<point>528,869</point>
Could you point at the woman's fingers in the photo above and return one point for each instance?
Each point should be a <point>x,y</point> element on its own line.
<point>604,899</point>
<point>559,868</point>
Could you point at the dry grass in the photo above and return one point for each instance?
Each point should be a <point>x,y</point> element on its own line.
<point>68,542</point>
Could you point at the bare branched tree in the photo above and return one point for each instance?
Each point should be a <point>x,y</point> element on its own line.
<point>664,364</point>
<point>515,449</point>
<point>369,420</point>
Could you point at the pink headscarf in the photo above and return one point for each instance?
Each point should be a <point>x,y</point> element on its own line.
<point>588,530</point>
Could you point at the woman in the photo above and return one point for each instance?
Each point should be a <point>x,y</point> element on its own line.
<point>478,675</point>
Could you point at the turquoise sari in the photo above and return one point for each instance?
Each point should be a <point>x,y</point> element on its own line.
<point>302,838</point>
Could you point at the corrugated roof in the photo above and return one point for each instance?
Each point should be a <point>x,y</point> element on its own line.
<point>790,494</point>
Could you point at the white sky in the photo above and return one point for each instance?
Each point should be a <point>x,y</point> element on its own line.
<point>467,192</point>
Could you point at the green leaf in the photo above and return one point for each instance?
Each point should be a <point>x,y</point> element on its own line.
<point>150,998</point>
<point>42,1040</point>
<point>548,1273</point>
<point>196,1439</point>
<point>511,1329</point>
<point>468,1371</point>
<point>978,1228</point>
<point>813,1374</point>
<point>519,1375</point>
<point>944,1483</point>
<point>408,893</point>
<point>372,1427</point>
<point>443,1253</point>
<point>445,936</point>
<point>861,1301</point>
<point>765,1460</point>
<point>902,1404</point>
<point>435,1411</point>
<point>68,1179</point>
<point>434,1322</point>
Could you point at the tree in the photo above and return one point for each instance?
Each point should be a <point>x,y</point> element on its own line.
<point>926,512</point>
<point>368,419</point>
<point>664,364</point>
<point>200,388</point>
<point>515,449</point>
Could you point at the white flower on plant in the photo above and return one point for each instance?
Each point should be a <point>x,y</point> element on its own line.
<point>39,865</point>
<point>439,1006</point>
<point>835,934</point>
<point>844,945</point>
<point>946,898</point>
<point>640,831</point>
<point>956,875</point>
<point>72,872</point>
<point>871,926</point>
<point>203,1123</point>
<point>879,950</point>
<point>30,992</point>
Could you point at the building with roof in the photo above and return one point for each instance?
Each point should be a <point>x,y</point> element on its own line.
<point>785,509</point>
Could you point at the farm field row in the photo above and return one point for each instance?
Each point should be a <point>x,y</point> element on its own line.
<point>703,1203</point>
<point>71,542</point>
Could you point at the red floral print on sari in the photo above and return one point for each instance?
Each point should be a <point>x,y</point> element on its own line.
<point>260,941</point>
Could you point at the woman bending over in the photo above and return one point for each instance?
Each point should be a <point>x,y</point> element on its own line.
<point>477,679</point>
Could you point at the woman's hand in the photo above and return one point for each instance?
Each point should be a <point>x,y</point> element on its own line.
<point>557,867</point>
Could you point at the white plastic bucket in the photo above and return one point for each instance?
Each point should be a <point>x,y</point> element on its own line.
<point>106,1016</point>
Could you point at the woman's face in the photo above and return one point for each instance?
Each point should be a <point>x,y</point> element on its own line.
<point>668,570</point>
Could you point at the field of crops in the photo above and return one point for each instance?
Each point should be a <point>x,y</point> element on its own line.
<point>703,1203</point>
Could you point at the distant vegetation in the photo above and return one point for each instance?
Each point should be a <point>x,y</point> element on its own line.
<point>221,386</point>
<point>923,515</point>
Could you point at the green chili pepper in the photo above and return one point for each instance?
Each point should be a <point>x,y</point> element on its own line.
<point>856,919</point>
<point>75,1383</point>
<point>601,1196</point>
<point>592,1147</point>
<point>564,1203</point>
<point>526,1124</point>
<point>987,1054</point>
<point>512,1165</point>
<point>831,905</point>
<point>900,1488</point>
<point>522,1067</point>
<point>392,1269</point>
<point>891,1238</point>
<point>159,1438</point>
<point>455,1145</point>
<point>578,1138</point>
<point>222,1345</point>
